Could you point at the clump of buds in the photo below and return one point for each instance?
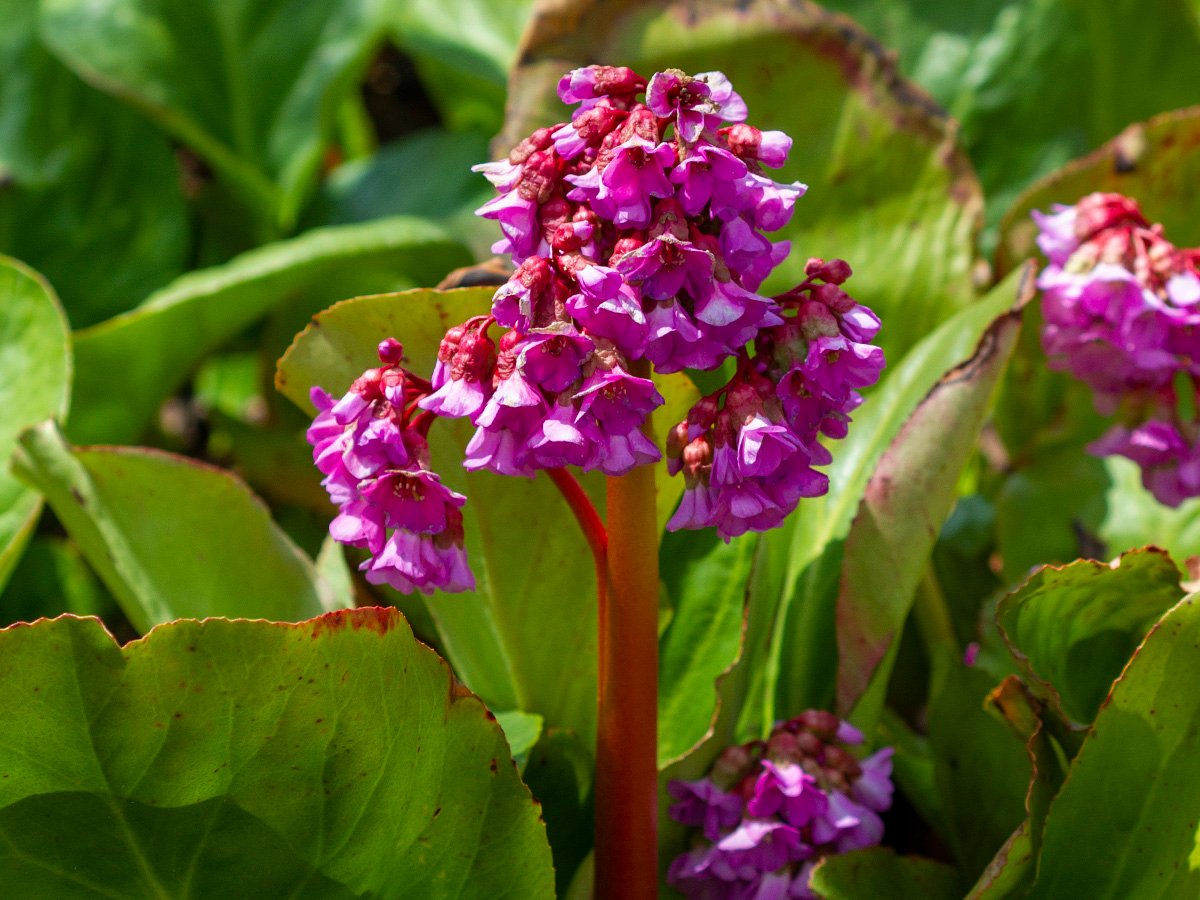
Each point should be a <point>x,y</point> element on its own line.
<point>770,810</point>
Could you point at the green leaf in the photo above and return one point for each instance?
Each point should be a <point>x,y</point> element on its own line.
<point>1009,871</point>
<point>907,500</point>
<point>128,365</point>
<point>526,639</point>
<point>801,566</point>
<point>879,872</point>
<point>889,189</point>
<point>170,537</point>
<point>1036,83</point>
<point>522,731</point>
<point>1156,162</point>
<point>980,768</point>
<point>1045,510</point>
<point>1132,787</point>
<point>252,87</point>
<point>426,173</point>
<point>1072,629</point>
<point>35,382</point>
<point>89,193</point>
<point>335,758</point>
<point>559,772</point>
<point>706,581</point>
<point>50,579</point>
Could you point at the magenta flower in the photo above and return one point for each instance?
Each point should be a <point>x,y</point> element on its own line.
<point>770,810</point>
<point>695,102</point>
<point>371,446</point>
<point>1120,304</point>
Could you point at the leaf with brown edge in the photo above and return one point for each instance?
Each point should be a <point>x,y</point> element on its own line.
<point>907,500</point>
<point>333,758</point>
<point>1157,162</point>
<point>1131,790</point>
<point>890,190</point>
<point>1073,628</point>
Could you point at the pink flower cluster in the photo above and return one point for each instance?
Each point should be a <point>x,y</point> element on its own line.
<point>1122,310</point>
<point>371,446</point>
<point>747,450</point>
<point>638,233</point>
<point>770,810</point>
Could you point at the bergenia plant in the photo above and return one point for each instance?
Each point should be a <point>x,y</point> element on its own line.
<point>1122,306</point>
<point>638,236</point>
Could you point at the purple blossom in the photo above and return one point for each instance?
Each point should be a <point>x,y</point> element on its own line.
<point>375,459</point>
<point>787,790</point>
<point>634,175</point>
<point>703,804</point>
<point>696,102</point>
<point>770,810</point>
<point>707,172</point>
<point>504,426</point>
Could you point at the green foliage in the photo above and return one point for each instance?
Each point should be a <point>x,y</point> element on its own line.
<point>1040,82</point>
<point>202,310</point>
<point>251,86</point>
<point>134,514</point>
<point>879,872</point>
<point>706,582</point>
<point>35,359</point>
<point>1073,629</point>
<point>89,192</point>
<point>225,758</point>
<point>1129,787</point>
<point>800,572</point>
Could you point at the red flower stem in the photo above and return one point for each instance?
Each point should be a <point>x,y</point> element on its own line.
<point>591,525</point>
<point>627,702</point>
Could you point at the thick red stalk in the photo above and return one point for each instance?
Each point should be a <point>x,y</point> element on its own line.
<point>627,703</point>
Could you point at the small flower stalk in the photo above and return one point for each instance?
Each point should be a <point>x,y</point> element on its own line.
<point>771,810</point>
<point>372,447</point>
<point>1122,306</point>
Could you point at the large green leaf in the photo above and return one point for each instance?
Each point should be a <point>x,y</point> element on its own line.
<point>35,382</point>
<point>1133,785</point>
<point>90,193</point>
<point>128,365</point>
<point>706,581</point>
<point>252,86</point>
<point>879,872</point>
<point>801,565</point>
<point>907,500</point>
<point>889,190</point>
<point>526,639</point>
<point>1073,628</point>
<point>1036,83</point>
<point>170,537</point>
<point>336,758</point>
<point>1156,162</point>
